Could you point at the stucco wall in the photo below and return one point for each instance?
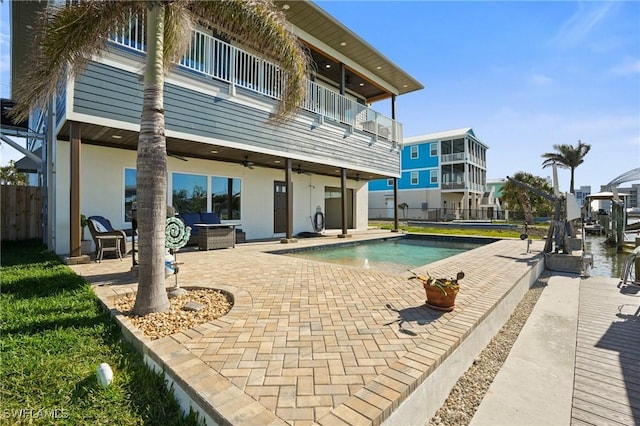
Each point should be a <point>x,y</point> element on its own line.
<point>102,191</point>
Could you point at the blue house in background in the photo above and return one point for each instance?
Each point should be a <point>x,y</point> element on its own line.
<point>443,176</point>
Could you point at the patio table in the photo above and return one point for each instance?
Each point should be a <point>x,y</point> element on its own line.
<point>216,235</point>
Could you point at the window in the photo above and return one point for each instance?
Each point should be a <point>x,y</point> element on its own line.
<point>433,148</point>
<point>414,178</point>
<point>189,193</point>
<point>390,182</point>
<point>433,176</point>
<point>225,197</point>
<point>130,195</point>
<point>414,152</point>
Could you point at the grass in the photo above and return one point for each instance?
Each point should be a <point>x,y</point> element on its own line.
<point>535,232</point>
<point>53,336</point>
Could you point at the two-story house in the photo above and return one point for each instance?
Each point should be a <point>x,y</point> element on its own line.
<point>444,176</point>
<point>224,155</point>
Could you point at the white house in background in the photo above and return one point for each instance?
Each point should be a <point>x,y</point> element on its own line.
<point>581,195</point>
<point>444,176</point>
<point>224,157</point>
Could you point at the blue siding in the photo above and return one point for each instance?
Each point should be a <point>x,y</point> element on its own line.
<point>424,157</point>
<point>379,185</point>
<point>423,165</point>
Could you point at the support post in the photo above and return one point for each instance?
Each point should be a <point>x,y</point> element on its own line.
<point>74,208</point>
<point>396,224</point>
<point>75,245</point>
<point>289,182</point>
<point>343,187</point>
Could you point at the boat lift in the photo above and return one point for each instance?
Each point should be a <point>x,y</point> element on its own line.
<point>618,214</point>
<point>560,228</point>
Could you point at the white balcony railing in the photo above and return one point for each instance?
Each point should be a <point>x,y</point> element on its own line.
<point>457,157</point>
<point>214,58</point>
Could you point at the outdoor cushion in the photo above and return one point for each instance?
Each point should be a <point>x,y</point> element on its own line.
<point>99,226</point>
<point>211,218</point>
<point>101,223</point>
<point>190,218</point>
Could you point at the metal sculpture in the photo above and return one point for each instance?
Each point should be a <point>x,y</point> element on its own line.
<point>177,235</point>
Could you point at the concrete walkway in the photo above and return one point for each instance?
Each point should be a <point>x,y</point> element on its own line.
<point>535,384</point>
<point>316,343</point>
<point>576,361</point>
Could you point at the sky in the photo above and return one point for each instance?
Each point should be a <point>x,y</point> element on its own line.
<point>524,75</point>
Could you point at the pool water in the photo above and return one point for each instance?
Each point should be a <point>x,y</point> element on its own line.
<point>393,255</point>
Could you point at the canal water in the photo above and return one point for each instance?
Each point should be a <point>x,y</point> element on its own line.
<point>607,262</point>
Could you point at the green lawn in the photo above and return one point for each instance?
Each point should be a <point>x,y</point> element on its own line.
<point>53,336</point>
<point>535,232</point>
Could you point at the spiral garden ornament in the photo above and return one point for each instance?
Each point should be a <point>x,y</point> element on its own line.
<point>176,234</point>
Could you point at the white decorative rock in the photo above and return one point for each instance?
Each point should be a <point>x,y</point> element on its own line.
<point>104,374</point>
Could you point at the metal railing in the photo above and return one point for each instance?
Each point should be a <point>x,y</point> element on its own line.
<point>444,214</point>
<point>458,157</point>
<point>214,58</point>
<point>462,185</point>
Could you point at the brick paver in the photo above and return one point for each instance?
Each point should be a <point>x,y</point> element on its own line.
<point>318,342</point>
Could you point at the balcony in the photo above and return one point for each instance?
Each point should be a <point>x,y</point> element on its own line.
<point>213,58</point>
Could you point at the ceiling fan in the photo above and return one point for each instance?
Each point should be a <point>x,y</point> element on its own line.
<point>300,171</point>
<point>248,163</point>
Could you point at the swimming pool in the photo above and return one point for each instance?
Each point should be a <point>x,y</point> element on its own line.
<point>393,255</point>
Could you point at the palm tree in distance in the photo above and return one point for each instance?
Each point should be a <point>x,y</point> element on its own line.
<point>567,157</point>
<point>518,197</point>
<point>67,36</point>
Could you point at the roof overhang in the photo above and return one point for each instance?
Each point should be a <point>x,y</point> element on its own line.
<point>322,31</point>
<point>315,27</point>
<point>181,149</point>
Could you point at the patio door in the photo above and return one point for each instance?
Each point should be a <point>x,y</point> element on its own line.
<point>279,207</point>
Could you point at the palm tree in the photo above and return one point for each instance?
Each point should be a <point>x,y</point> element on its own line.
<point>9,175</point>
<point>518,197</point>
<point>65,39</point>
<point>567,157</point>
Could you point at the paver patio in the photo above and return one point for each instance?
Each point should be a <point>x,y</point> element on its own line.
<point>309,342</point>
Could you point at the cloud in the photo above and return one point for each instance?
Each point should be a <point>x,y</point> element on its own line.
<point>629,67</point>
<point>575,29</point>
<point>540,80</point>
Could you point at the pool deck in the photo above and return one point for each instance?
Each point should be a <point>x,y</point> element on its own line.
<point>316,343</point>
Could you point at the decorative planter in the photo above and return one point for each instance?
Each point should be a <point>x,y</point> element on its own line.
<point>440,299</point>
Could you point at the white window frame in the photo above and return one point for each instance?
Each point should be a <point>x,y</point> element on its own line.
<point>433,176</point>
<point>390,182</point>
<point>415,178</point>
<point>414,152</point>
<point>433,149</point>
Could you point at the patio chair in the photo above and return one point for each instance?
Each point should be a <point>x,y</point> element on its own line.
<point>106,238</point>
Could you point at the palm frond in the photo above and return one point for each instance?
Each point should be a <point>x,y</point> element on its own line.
<point>259,25</point>
<point>178,26</point>
<point>65,39</point>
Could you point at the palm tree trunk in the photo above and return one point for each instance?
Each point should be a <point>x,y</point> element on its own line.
<point>572,174</point>
<point>152,176</point>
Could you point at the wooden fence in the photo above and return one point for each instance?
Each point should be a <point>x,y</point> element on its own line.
<point>21,212</point>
